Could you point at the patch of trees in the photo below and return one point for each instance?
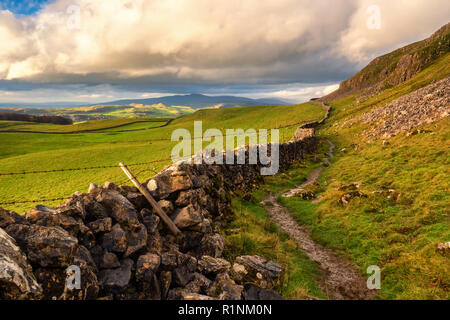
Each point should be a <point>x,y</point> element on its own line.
<point>41,119</point>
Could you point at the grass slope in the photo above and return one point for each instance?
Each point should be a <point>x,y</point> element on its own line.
<point>398,233</point>
<point>33,151</point>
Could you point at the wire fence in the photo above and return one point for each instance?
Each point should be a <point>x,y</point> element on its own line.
<point>153,170</point>
<point>80,169</point>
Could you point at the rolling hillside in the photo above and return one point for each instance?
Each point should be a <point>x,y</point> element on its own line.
<point>384,198</point>
<point>109,144</point>
<point>396,67</point>
<point>199,101</point>
<point>169,106</point>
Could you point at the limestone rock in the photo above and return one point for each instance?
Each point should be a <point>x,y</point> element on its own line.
<point>122,211</point>
<point>9,217</point>
<point>109,260</point>
<point>136,240</point>
<point>46,246</point>
<point>257,270</point>
<point>16,275</point>
<point>210,265</point>
<point>146,267</point>
<point>117,279</point>
<point>116,240</point>
<point>224,288</point>
<point>252,292</point>
<point>444,248</point>
<point>101,225</point>
<point>187,217</point>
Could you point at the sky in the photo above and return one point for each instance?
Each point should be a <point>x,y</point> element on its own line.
<point>100,50</point>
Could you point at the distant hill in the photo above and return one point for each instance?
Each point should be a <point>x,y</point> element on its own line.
<point>168,106</point>
<point>198,101</point>
<point>396,67</point>
<point>31,118</point>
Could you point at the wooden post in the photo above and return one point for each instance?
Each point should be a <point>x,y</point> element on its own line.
<point>152,201</point>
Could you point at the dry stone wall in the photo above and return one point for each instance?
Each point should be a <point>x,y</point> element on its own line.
<point>124,251</point>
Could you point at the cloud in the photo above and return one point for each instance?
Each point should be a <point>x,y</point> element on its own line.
<point>142,43</point>
<point>293,93</point>
<point>401,22</point>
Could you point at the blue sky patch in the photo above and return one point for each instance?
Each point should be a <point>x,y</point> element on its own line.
<point>26,7</point>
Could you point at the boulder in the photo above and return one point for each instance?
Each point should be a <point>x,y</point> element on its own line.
<point>193,196</point>
<point>224,288</point>
<point>73,207</point>
<point>186,266</point>
<point>146,267</point>
<point>138,200</point>
<point>116,240</point>
<point>16,275</point>
<point>257,270</point>
<point>150,220</point>
<point>305,195</point>
<point>211,245</point>
<point>117,280</point>
<point>252,292</point>
<point>94,210</point>
<point>54,280</point>
<point>183,294</point>
<point>109,260</point>
<point>209,265</point>
<point>101,225</point>
<point>187,217</point>
<point>121,210</point>
<point>181,276</point>
<point>136,240</point>
<point>166,206</point>
<point>9,217</point>
<point>50,217</point>
<point>198,284</point>
<point>168,182</point>
<point>149,289</point>
<point>45,246</point>
<point>444,248</point>
<point>169,260</point>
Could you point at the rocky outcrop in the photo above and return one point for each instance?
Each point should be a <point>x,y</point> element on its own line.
<point>423,106</point>
<point>114,237</point>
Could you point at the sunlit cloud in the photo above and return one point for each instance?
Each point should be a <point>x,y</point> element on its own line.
<point>155,47</point>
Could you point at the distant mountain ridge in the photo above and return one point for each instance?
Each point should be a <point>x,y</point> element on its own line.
<point>168,106</point>
<point>193,100</point>
<point>198,101</point>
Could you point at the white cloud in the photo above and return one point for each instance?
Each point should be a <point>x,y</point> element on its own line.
<point>401,22</point>
<point>153,95</point>
<point>185,41</point>
<point>294,93</point>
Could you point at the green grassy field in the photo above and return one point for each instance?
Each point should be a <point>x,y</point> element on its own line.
<point>398,233</point>
<point>37,151</point>
<point>99,112</point>
<point>89,126</point>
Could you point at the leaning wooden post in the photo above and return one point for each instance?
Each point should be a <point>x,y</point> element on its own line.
<point>152,201</point>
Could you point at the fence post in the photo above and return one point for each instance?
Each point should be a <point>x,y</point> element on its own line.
<point>152,201</point>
